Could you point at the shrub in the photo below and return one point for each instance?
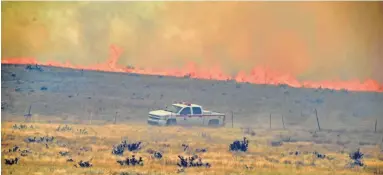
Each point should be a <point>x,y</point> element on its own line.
<point>240,145</point>
<point>39,139</point>
<point>65,128</point>
<point>319,155</point>
<point>157,155</point>
<point>120,148</point>
<point>357,157</point>
<point>193,161</point>
<point>35,67</point>
<point>11,161</point>
<point>84,164</point>
<point>131,161</point>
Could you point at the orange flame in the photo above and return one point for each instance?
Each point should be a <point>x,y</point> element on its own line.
<point>258,75</point>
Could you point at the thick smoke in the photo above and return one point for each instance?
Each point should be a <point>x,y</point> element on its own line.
<point>311,40</point>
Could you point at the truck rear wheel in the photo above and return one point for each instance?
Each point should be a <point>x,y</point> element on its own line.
<point>171,122</point>
<point>213,122</point>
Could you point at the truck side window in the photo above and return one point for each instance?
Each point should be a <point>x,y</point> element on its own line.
<point>185,111</point>
<point>197,111</point>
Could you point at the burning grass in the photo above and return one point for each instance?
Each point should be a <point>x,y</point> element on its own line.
<point>162,149</point>
<point>271,77</point>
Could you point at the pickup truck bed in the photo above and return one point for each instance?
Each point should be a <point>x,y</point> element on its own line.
<point>211,113</point>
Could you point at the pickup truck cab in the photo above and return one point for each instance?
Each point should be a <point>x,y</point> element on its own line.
<point>182,113</point>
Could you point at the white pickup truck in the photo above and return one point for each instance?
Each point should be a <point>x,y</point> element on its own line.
<point>182,113</point>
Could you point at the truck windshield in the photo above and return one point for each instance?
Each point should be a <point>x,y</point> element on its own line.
<point>173,108</point>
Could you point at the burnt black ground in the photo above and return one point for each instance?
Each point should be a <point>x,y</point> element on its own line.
<point>69,94</point>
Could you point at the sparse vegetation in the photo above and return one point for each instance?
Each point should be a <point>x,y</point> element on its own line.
<point>64,128</point>
<point>201,150</point>
<point>64,153</point>
<point>22,127</point>
<point>83,131</point>
<point>167,154</point>
<point>193,161</point>
<point>39,139</point>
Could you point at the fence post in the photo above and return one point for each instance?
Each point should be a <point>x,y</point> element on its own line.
<point>316,114</point>
<point>28,116</point>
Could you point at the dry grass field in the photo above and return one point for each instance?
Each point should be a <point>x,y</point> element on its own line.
<point>90,100</point>
<point>96,145</point>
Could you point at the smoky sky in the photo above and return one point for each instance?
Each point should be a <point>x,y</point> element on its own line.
<point>311,40</point>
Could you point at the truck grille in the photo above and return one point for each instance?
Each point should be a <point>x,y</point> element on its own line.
<point>154,117</point>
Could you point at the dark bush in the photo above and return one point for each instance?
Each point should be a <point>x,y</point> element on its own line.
<point>14,149</point>
<point>134,146</point>
<point>239,145</point>
<point>44,88</point>
<point>202,150</point>
<point>296,153</point>
<point>319,155</point>
<point>84,164</point>
<point>11,161</point>
<point>21,126</point>
<point>120,148</point>
<point>39,139</point>
<point>193,161</point>
<point>185,146</point>
<point>131,161</point>
<point>357,157</point>
<point>34,67</point>
<point>25,152</point>
<point>157,155</point>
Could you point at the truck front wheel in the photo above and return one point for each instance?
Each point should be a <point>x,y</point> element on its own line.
<point>170,122</point>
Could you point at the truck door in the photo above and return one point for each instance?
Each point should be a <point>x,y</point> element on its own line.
<point>185,116</point>
<point>197,116</point>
